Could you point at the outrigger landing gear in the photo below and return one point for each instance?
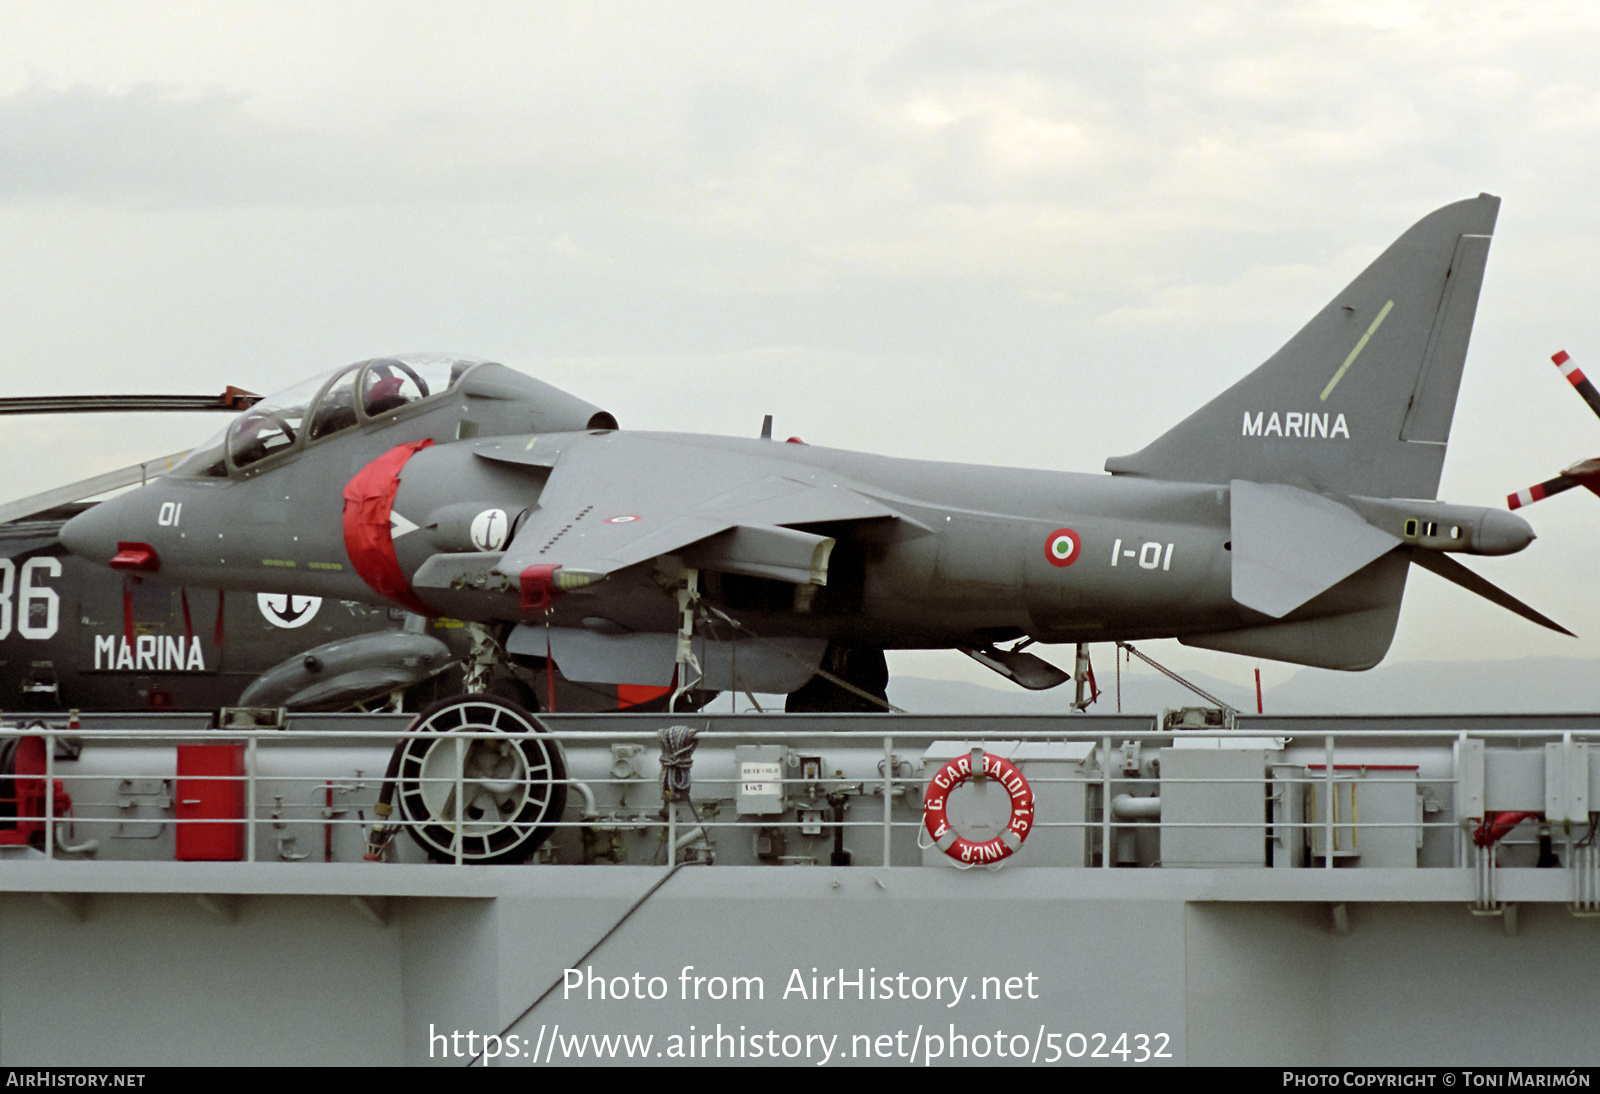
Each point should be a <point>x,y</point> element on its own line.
<point>479,799</point>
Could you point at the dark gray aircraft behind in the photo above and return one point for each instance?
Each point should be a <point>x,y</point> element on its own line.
<point>74,635</point>
<point>1277,521</point>
<point>77,636</point>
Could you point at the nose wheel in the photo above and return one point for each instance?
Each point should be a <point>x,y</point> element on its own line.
<point>480,781</point>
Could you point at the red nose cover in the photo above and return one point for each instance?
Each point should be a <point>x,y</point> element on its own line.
<point>368,500</point>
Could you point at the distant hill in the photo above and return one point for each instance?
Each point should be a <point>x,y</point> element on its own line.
<point>1141,694</point>
<point>1524,685</point>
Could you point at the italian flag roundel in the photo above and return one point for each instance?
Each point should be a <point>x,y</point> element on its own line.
<point>1062,547</point>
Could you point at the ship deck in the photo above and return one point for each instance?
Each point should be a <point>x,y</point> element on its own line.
<point>1206,923</point>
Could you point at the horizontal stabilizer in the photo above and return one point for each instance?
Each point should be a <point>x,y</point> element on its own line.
<point>1451,570</point>
<point>1290,545</point>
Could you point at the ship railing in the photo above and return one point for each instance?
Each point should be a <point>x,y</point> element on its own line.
<point>1313,784</point>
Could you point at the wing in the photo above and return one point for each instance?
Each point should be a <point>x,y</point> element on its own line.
<point>617,499</point>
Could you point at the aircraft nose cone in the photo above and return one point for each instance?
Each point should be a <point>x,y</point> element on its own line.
<point>1502,533</point>
<point>92,534</point>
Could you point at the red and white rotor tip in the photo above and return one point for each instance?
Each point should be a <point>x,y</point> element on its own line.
<point>1581,383</point>
<point>1585,473</point>
<point>1524,497</point>
<point>1569,368</point>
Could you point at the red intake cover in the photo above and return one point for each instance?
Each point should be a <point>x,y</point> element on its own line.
<point>368,500</point>
<point>538,588</point>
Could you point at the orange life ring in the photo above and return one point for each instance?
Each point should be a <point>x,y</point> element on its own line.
<point>937,798</point>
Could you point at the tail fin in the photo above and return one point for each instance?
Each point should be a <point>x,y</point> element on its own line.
<point>1360,401</point>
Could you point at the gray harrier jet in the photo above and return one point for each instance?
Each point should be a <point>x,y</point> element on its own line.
<point>1278,521</point>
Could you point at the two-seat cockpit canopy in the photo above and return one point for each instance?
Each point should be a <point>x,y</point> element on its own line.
<point>321,407</point>
<point>495,400</point>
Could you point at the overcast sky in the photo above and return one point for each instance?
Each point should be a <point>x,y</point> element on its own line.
<point>1011,233</point>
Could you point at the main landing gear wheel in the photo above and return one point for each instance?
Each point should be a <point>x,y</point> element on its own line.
<point>513,785</point>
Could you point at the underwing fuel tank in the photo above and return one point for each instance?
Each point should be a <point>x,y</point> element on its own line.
<point>335,674</point>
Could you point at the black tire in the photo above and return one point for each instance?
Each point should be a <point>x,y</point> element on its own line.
<point>862,666</point>
<point>507,684</point>
<point>515,783</point>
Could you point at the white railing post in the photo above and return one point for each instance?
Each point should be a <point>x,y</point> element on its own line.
<point>1327,772</point>
<point>1105,804</point>
<point>888,796</point>
<point>461,790</point>
<point>251,795</point>
<point>49,795</point>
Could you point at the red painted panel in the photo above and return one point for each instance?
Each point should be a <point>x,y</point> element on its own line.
<point>210,789</point>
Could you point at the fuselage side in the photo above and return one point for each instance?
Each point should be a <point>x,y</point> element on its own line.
<point>971,563</point>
